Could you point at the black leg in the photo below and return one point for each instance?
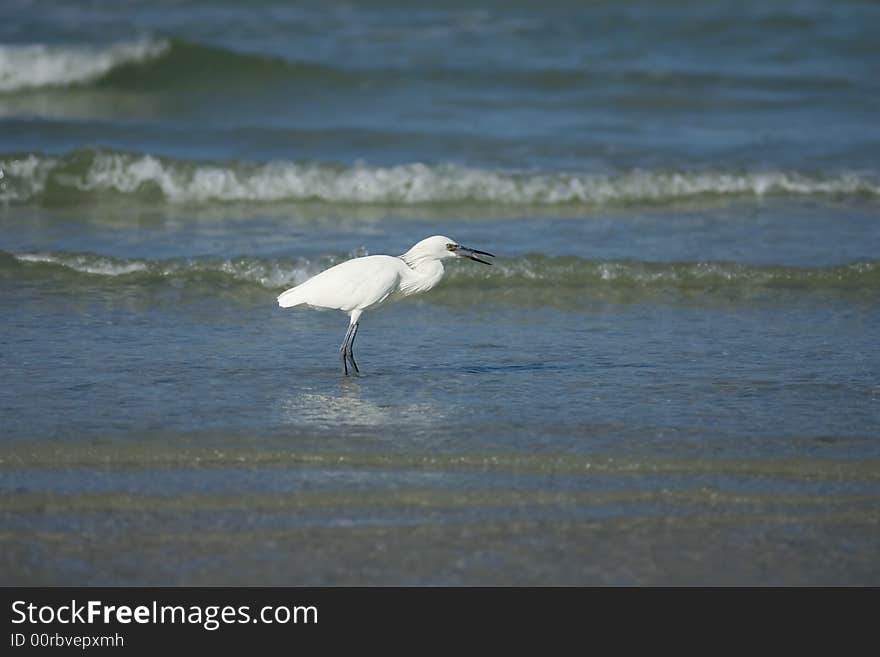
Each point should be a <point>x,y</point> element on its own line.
<point>343,349</point>
<point>350,349</point>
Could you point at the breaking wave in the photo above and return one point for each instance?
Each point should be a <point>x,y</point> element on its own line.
<point>152,63</point>
<point>94,174</point>
<point>530,271</point>
<point>38,65</point>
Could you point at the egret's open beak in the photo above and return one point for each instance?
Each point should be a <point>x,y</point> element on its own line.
<point>465,252</point>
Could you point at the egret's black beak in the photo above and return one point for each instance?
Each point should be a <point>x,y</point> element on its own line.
<point>465,252</point>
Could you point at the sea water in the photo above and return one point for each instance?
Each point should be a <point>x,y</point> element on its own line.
<point>669,375</point>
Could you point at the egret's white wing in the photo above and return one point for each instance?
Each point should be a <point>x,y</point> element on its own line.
<point>354,284</point>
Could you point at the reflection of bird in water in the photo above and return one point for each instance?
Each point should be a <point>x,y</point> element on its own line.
<point>347,406</point>
<point>360,283</point>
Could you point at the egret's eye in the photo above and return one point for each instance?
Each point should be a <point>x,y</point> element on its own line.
<point>451,247</point>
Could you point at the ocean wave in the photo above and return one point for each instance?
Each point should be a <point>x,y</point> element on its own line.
<point>594,274</point>
<point>270,273</point>
<point>156,64</point>
<point>520,274</point>
<point>153,64</point>
<point>93,174</point>
<point>38,65</point>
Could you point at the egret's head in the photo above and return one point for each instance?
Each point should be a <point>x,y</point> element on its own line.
<point>440,247</point>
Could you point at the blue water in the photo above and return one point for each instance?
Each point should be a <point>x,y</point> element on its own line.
<point>668,376</point>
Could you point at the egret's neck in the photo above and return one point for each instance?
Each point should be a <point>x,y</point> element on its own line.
<point>424,273</point>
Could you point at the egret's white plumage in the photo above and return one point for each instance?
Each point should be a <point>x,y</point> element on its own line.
<point>355,285</point>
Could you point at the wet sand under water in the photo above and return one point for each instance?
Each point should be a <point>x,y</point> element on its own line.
<point>105,515</point>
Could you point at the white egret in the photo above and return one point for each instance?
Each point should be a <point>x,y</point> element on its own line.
<point>360,283</point>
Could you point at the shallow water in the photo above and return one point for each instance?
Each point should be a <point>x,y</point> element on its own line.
<point>669,375</point>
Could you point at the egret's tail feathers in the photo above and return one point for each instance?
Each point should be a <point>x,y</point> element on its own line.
<point>292,297</point>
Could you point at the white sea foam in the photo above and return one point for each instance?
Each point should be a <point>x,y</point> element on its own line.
<point>86,264</point>
<point>23,178</point>
<point>268,273</point>
<point>39,65</point>
<point>419,183</point>
<point>188,182</point>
